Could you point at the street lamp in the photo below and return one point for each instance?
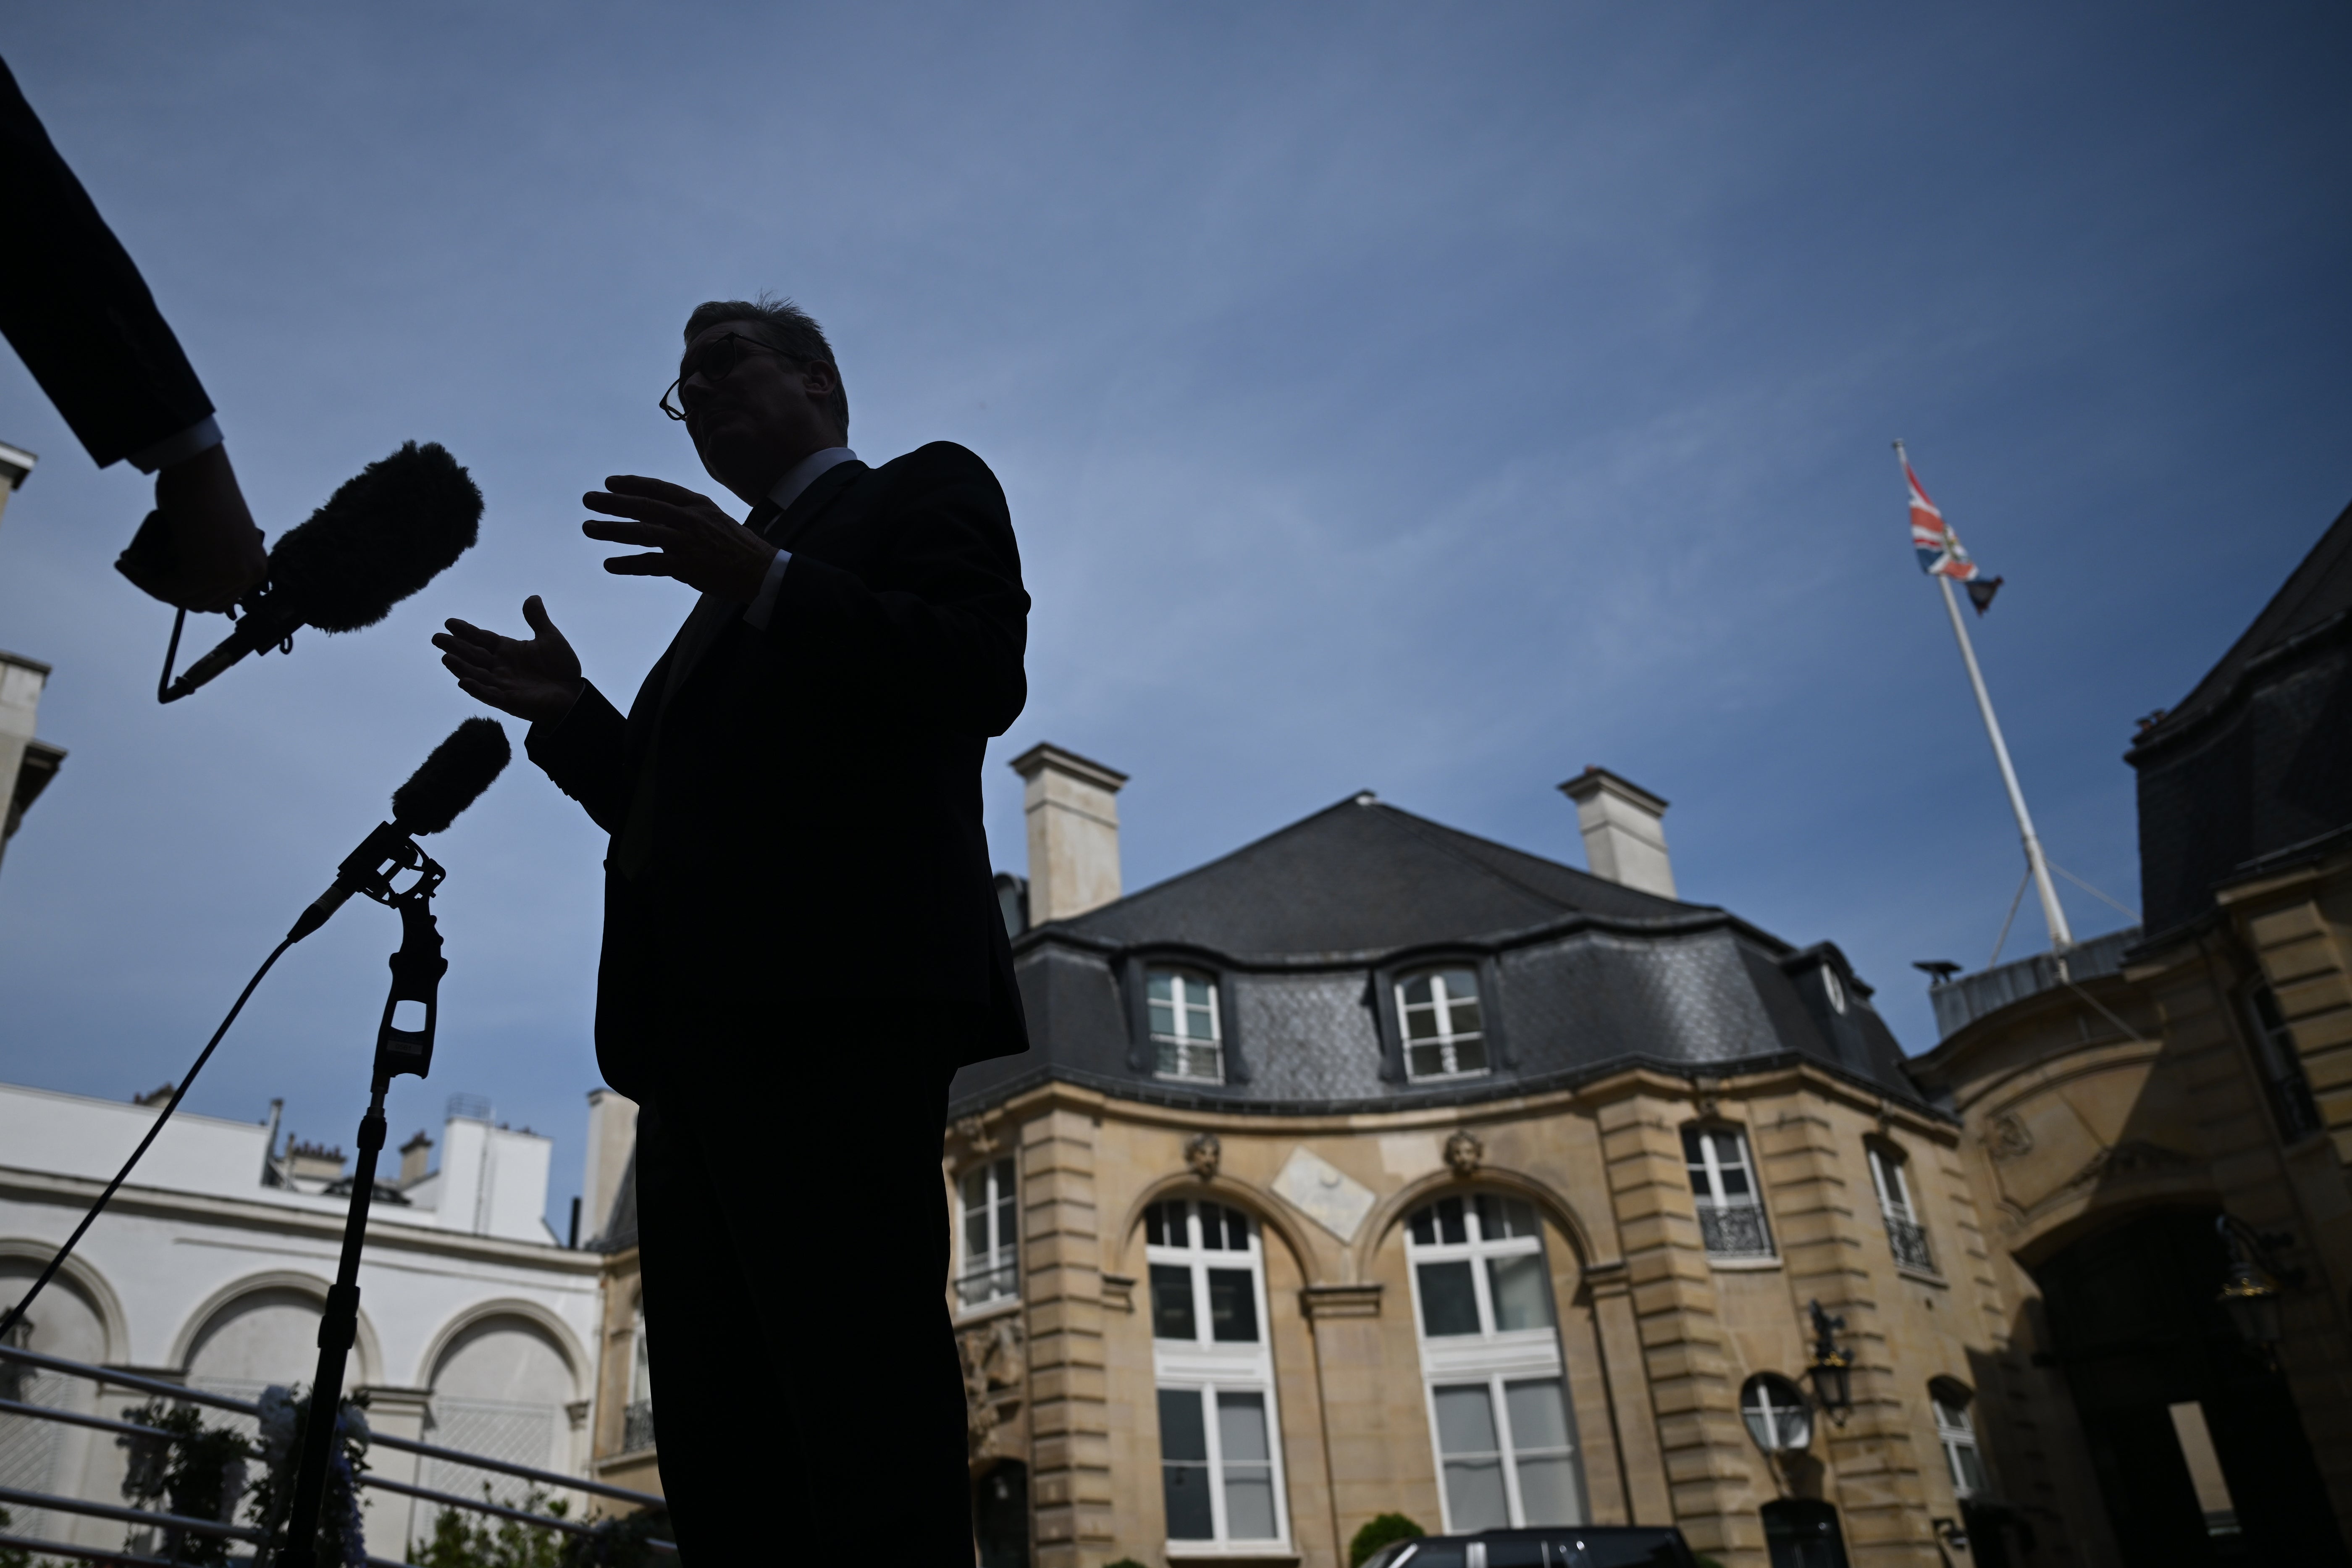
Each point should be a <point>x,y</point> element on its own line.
<point>1831,1369</point>
<point>2249,1289</point>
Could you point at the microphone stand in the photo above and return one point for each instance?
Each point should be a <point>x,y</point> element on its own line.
<point>416,971</point>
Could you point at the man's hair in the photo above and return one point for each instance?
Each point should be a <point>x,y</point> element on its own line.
<point>786,328</point>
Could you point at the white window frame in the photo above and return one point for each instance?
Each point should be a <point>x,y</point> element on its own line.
<point>1892,1182</point>
<point>997,1267</point>
<point>1709,1168</point>
<point>1207,1367</point>
<point>1786,1423</point>
<point>1188,1047</point>
<point>1448,1039</point>
<point>1956,1429</point>
<point>1494,1358</point>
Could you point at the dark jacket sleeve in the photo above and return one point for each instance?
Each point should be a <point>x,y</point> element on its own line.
<point>944,644</point>
<point>586,753</point>
<point>76,307</point>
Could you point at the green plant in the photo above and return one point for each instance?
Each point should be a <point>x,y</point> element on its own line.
<point>463,1540</point>
<point>284,1418</point>
<point>623,1542</point>
<point>186,1468</point>
<point>1384,1529</point>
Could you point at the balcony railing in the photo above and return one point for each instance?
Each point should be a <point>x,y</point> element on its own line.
<point>1734,1230</point>
<point>1908,1240</point>
<point>637,1425</point>
<point>998,1279</point>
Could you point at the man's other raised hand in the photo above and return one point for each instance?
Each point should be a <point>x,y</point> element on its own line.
<point>693,539</point>
<point>536,680</point>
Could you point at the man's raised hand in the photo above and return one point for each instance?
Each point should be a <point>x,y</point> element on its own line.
<point>538,681</point>
<point>693,539</point>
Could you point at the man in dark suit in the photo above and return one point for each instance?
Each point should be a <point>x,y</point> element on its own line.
<point>77,310</point>
<point>801,939</point>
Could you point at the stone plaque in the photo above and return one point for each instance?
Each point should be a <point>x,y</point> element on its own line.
<point>1324,1194</point>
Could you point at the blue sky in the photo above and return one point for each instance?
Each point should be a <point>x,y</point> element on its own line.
<point>1432,400</point>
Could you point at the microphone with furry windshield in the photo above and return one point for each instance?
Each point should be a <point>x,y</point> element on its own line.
<point>390,529</point>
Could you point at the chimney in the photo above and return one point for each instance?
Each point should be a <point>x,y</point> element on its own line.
<point>413,1157</point>
<point>1073,810</point>
<point>1625,831</point>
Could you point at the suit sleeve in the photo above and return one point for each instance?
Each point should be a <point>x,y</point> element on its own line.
<point>76,310</point>
<point>943,646</point>
<point>586,753</point>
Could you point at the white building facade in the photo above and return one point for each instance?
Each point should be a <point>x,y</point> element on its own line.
<point>478,1327</point>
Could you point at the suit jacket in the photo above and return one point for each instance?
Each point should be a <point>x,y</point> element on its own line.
<point>797,846</point>
<point>76,310</point>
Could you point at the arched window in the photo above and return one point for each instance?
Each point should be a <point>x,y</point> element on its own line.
<point>1723,1184</point>
<point>1187,1040</point>
<point>1958,1433</point>
<point>1444,1033</point>
<point>990,1269</point>
<point>1220,1434</point>
<point>1776,1413</point>
<point>1905,1235</point>
<point>637,1414</point>
<point>1490,1358</point>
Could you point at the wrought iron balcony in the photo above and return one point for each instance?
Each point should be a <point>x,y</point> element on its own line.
<point>637,1425</point>
<point>1734,1230</point>
<point>1910,1240</point>
<point>998,1279</point>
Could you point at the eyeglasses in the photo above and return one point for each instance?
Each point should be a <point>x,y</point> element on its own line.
<point>715,363</point>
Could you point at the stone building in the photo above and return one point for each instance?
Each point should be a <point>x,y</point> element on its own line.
<point>1376,1167</point>
<point>2119,1100</point>
<point>476,1324</point>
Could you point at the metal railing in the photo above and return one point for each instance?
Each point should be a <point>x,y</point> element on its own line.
<point>1734,1230</point>
<point>1000,1278</point>
<point>637,1425</point>
<point>146,1519</point>
<point>1908,1241</point>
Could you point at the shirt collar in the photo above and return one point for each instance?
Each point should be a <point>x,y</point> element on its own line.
<point>804,473</point>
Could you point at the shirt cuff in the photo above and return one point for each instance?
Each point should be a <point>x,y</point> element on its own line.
<point>201,437</point>
<point>764,606</point>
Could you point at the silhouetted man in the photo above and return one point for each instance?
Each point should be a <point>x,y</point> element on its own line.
<point>801,939</point>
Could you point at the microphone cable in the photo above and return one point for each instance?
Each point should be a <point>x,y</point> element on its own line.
<point>16,1314</point>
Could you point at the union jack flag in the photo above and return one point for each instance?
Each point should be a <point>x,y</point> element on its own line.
<point>1941,554</point>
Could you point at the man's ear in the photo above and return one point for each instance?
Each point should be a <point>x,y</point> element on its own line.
<point>819,379</point>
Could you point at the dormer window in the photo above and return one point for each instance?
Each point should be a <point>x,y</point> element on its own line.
<point>1185,1036</point>
<point>1445,1034</point>
<point>1832,988</point>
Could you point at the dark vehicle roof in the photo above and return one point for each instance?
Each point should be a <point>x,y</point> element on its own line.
<point>1552,1546</point>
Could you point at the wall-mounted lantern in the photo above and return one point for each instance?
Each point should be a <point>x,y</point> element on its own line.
<point>1776,1413</point>
<point>2249,1289</point>
<point>1831,1369</point>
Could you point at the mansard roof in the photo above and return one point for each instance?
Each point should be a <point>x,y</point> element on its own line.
<point>1307,930</point>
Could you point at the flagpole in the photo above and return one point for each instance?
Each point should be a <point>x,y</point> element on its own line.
<point>2062,936</point>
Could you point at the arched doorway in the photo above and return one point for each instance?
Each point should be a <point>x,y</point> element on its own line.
<point>2199,1447</point>
<point>1000,1514</point>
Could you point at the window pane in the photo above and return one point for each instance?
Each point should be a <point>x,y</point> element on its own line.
<point>1461,986</point>
<point>1155,1227</point>
<point>1474,1469</point>
<point>1156,985</point>
<point>1465,1017</point>
<point>1171,1303</point>
<point>1425,1226</point>
<point>1183,1435</point>
<point>1185,1465</point>
<point>1465,1420</point>
<point>1538,1411</point>
<point>1450,1228</point>
<point>1522,1296</point>
<point>1968,1467</point>
<point>1470,1055</point>
<point>975,1238</point>
<point>1416,991</point>
<point>1163,1019</point>
<point>1547,1489</point>
<point>1233,1307</point>
<point>1425,1062</point>
<point>1449,1301</point>
<point>975,1188</point>
<point>1249,1474</point>
<point>1501,1218</point>
<point>1420,1024</point>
